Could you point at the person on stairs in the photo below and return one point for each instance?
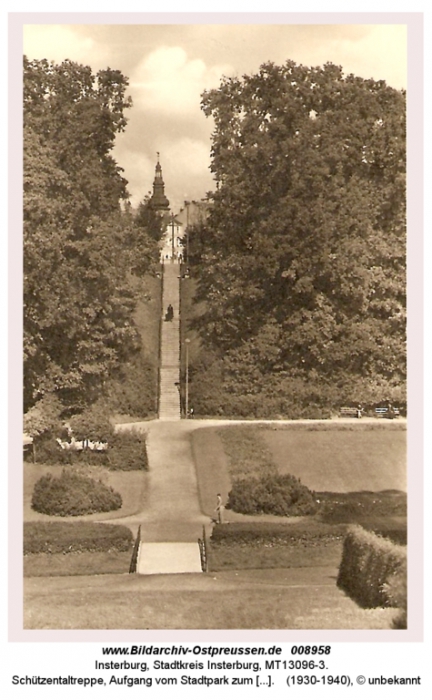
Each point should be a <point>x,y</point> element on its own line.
<point>169,313</point>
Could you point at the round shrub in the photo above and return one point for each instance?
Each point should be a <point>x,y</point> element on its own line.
<point>73,494</point>
<point>271,494</point>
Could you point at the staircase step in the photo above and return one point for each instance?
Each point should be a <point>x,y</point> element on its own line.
<point>169,558</point>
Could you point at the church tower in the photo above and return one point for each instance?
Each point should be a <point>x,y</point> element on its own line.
<point>158,201</point>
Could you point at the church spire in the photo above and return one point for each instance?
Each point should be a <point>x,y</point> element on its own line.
<point>158,200</point>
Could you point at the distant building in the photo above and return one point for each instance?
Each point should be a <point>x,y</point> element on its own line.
<point>174,240</point>
<point>194,212</point>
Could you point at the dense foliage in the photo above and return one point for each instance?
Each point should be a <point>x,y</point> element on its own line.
<point>301,263</point>
<point>64,538</point>
<point>134,391</point>
<point>73,494</point>
<point>80,243</point>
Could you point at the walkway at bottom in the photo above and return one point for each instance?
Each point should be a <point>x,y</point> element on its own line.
<point>172,521</point>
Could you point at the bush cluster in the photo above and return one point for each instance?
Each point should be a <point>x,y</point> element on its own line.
<point>368,563</point>
<point>271,494</point>
<point>127,451</point>
<point>283,534</point>
<point>63,538</point>
<point>73,494</point>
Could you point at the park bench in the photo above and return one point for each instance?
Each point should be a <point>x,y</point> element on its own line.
<point>386,412</point>
<point>351,411</point>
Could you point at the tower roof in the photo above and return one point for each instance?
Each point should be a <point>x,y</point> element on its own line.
<point>158,200</point>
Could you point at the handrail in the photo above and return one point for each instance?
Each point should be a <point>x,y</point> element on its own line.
<point>162,267</point>
<point>203,547</point>
<point>135,552</point>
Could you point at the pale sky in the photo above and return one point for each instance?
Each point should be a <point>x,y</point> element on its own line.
<point>169,66</point>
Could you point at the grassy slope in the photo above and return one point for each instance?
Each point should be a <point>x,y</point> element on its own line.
<point>276,599</point>
<point>131,485</point>
<point>189,311</point>
<point>147,317</point>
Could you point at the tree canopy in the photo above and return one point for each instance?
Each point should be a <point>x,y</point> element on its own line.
<point>80,245</point>
<point>303,265</point>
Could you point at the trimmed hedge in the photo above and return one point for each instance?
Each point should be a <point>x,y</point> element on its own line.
<point>64,538</point>
<point>394,529</point>
<point>271,494</point>
<point>73,494</point>
<point>396,590</point>
<point>368,563</point>
<point>257,534</point>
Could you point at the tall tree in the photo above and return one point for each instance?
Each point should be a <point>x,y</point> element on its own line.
<point>304,268</point>
<point>79,246</point>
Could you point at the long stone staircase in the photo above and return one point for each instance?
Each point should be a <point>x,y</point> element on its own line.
<point>171,524</point>
<point>169,394</point>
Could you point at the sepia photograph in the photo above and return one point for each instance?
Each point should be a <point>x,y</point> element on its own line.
<point>215,327</point>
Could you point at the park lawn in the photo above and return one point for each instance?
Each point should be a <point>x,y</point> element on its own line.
<point>77,564</point>
<point>147,317</point>
<point>361,458</point>
<point>300,598</point>
<point>132,486</point>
